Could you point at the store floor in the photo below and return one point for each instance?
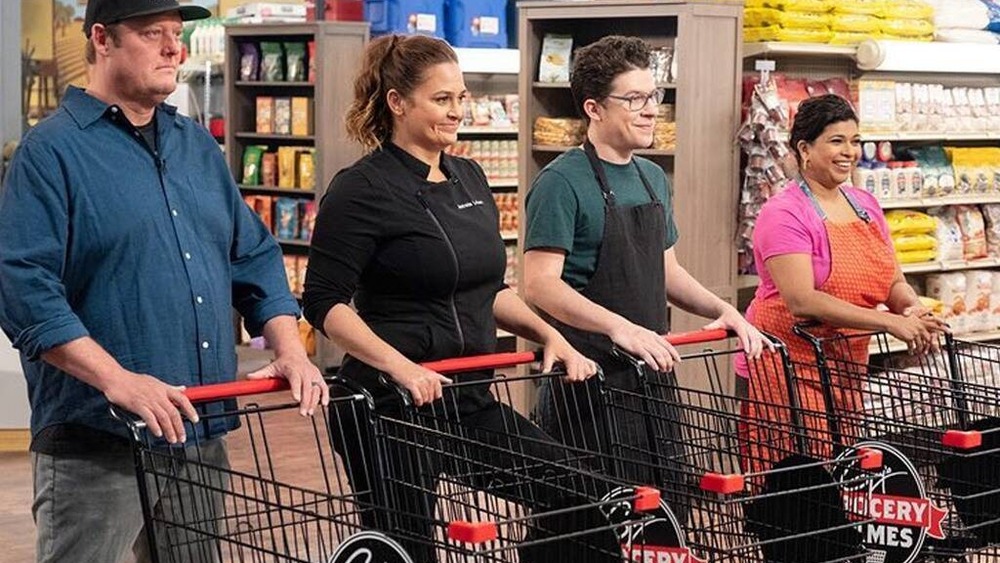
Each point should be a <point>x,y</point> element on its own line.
<point>17,531</point>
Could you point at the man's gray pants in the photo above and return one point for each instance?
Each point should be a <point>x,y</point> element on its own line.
<point>87,508</point>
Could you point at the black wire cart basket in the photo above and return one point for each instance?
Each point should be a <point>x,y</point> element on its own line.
<point>470,457</point>
<point>281,487</point>
<point>934,417</point>
<point>741,475</point>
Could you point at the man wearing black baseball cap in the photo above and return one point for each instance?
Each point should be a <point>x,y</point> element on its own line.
<point>124,247</point>
<point>113,11</point>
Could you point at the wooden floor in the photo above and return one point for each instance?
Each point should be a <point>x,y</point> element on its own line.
<point>17,531</point>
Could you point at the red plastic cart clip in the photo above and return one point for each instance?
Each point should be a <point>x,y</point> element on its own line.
<point>472,532</point>
<point>962,440</point>
<point>723,484</point>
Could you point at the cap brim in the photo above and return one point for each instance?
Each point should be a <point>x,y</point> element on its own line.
<point>187,13</point>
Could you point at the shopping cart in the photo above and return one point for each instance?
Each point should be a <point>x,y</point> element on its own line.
<point>712,509</point>
<point>283,493</point>
<point>472,457</point>
<point>741,472</point>
<point>927,415</point>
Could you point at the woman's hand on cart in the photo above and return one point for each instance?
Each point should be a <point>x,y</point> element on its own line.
<point>304,379</point>
<point>159,404</point>
<point>918,328</point>
<point>424,385</point>
<point>646,345</point>
<point>558,350</point>
<point>751,339</point>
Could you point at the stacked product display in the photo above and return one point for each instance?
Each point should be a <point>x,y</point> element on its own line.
<point>497,157</point>
<point>843,22</point>
<point>966,21</point>
<point>295,271</point>
<point>886,105</point>
<point>289,219</point>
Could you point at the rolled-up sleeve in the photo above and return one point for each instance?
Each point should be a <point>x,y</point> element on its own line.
<point>34,310</point>
<point>260,287</point>
<point>347,233</point>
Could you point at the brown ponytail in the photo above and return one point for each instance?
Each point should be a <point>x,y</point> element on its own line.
<point>390,62</point>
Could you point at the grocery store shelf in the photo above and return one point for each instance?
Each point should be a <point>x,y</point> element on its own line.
<point>489,61</point>
<point>929,136</point>
<point>274,137</point>
<point>501,333</point>
<point>272,84</point>
<point>664,85</point>
<point>487,130</point>
<point>504,183</point>
<point>509,237</point>
<point>747,281</point>
<point>937,201</point>
<point>290,242</point>
<point>950,266</point>
<point>798,49</point>
<point>895,345</point>
<point>277,190</point>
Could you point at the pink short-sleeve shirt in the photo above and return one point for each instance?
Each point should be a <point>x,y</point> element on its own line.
<point>789,224</point>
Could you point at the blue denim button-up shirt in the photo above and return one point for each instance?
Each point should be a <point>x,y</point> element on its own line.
<point>145,253</point>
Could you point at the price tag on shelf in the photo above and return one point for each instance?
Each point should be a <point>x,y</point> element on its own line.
<point>765,68</point>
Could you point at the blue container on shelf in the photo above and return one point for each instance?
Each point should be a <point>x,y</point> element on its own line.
<point>406,16</point>
<point>477,23</point>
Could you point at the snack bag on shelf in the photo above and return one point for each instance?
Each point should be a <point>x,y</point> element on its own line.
<point>800,5</point>
<point>995,301</point>
<point>907,10</point>
<point>991,216</point>
<point>854,23</point>
<point>970,221</point>
<point>948,235</point>
<point>933,305</point>
<point>951,290</point>
<point>760,17</point>
<point>909,222</point>
<point>922,29</point>
<point>916,256</point>
<point>911,243</point>
<point>804,35</point>
<point>871,8</point>
<point>760,34</point>
<point>978,287</point>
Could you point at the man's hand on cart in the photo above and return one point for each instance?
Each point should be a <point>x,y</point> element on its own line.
<point>558,349</point>
<point>423,384</point>
<point>304,379</point>
<point>918,328</point>
<point>646,345</point>
<point>159,404</point>
<point>752,341</point>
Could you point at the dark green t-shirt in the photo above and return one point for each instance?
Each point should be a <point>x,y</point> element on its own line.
<point>565,208</point>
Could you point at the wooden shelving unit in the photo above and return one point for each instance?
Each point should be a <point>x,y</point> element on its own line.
<point>706,37</point>
<point>338,54</point>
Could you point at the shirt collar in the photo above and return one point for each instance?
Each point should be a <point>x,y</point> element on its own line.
<point>86,109</point>
<point>414,164</point>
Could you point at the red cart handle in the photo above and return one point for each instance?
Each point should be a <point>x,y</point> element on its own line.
<point>485,361</point>
<point>697,336</point>
<point>219,391</point>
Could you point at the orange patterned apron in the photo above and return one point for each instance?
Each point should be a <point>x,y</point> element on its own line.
<point>861,271</point>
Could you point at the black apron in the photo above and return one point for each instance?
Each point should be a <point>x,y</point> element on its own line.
<point>629,281</point>
<point>629,277</point>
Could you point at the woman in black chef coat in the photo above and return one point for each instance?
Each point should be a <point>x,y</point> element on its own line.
<point>411,234</point>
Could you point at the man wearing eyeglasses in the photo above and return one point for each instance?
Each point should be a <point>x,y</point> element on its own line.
<point>599,257</point>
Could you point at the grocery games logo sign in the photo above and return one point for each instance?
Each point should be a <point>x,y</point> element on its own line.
<point>370,547</point>
<point>653,537</point>
<point>896,501</point>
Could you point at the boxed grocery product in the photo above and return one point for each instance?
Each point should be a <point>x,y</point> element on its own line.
<point>286,214</point>
<point>287,167</point>
<point>425,17</point>
<point>948,234</point>
<point>306,169</point>
<point>970,221</point>
<point>476,23</point>
<point>283,116</point>
<point>307,214</point>
<point>252,156</point>
<point>555,58</point>
<point>302,119</point>
<point>301,265</point>
<point>979,288</point>
<point>269,169</point>
<point>951,290</point>
<point>291,272</point>
<point>265,114</point>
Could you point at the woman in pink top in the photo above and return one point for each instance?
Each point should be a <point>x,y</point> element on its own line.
<point>823,253</point>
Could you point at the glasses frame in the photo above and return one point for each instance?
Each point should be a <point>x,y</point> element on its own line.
<point>657,95</point>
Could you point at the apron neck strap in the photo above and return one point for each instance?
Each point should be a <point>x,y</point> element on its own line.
<point>602,178</point>
<point>861,212</point>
